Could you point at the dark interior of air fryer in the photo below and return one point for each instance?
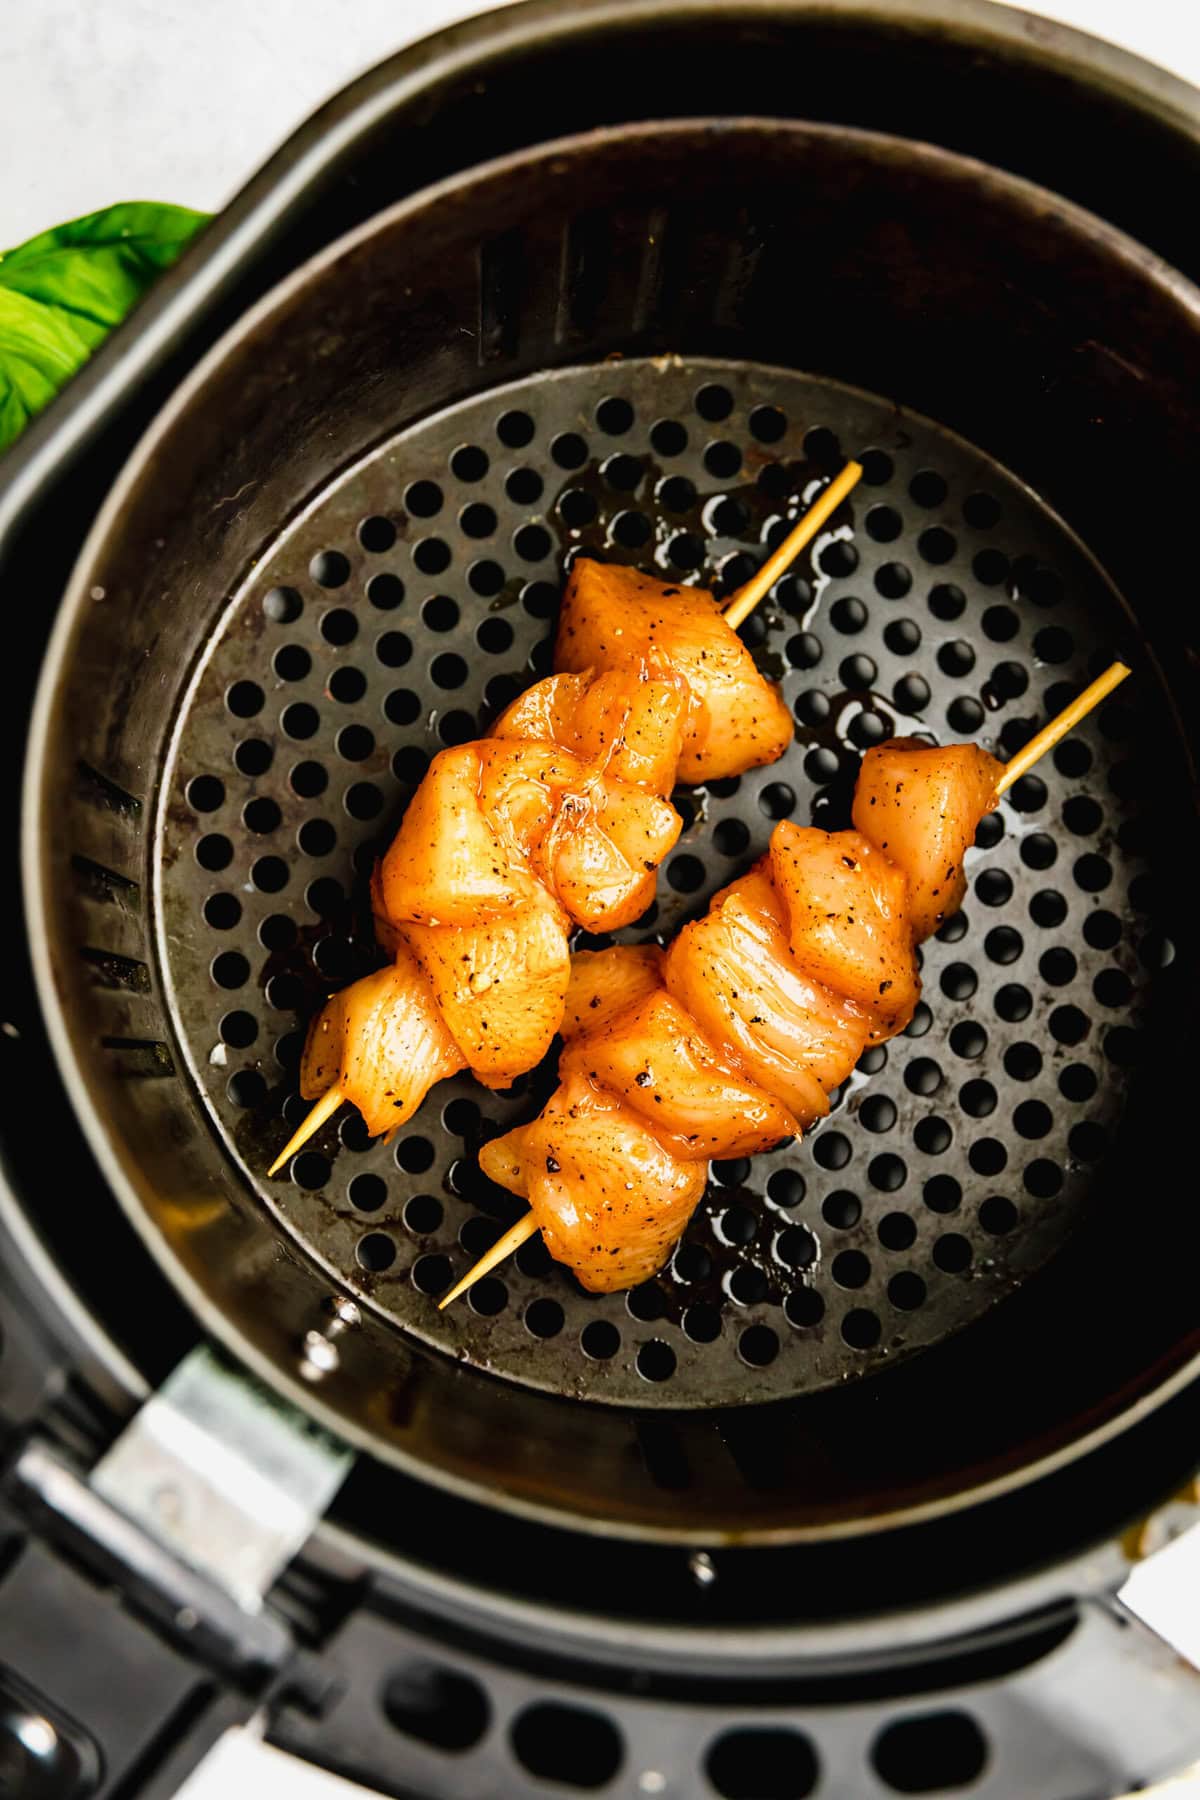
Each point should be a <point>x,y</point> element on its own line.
<point>650,345</point>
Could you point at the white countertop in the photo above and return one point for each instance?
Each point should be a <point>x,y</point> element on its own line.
<point>181,100</point>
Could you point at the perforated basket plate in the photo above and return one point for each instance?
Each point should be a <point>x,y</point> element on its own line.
<point>413,599</point>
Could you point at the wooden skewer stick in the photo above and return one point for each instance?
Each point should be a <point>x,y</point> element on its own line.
<point>738,610</point>
<point>501,1250</point>
<point>324,1109</point>
<point>1050,734</point>
<point>802,533</point>
<point>1060,725</point>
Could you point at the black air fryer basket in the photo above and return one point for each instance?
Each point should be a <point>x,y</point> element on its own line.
<point>840,1502</point>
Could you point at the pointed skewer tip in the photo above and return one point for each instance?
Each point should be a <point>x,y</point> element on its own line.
<point>324,1109</point>
<point>503,1248</point>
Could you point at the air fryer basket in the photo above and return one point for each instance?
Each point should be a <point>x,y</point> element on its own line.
<point>894,1226</point>
<point>301,587</point>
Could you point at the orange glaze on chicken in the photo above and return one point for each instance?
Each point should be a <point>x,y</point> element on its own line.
<point>630,719</point>
<point>606,982</point>
<point>698,1104</point>
<point>501,823</point>
<point>847,914</point>
<point>922,805</point>
<point>736,719</point>
<point>733,972</point>
<point>383,1041</point>
<point>610,1200</point>
<point>771,996</point>
<point>500,986</point>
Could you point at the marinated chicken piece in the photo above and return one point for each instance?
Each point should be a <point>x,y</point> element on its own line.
<point>733,972</point>
<point>610,615</point>
<point>521,789</point>
<point>595,883</point>
<point>848,925</point>
<point>519,817</point>
<point>921,805</point>
<point>607,982</point>
<point>545,710</point>
<point>604,851</point>
<point>643,827</point>
<point>501,986</point>
<point>447,864</point>
<point>383,1042</point>
<point>630,720</point>
<point>654,1059</point>
<point>593,842</point>
<point>610,1200</point>
<point>634,719</point>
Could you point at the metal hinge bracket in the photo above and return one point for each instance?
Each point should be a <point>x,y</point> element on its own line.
<point>224,1474</point>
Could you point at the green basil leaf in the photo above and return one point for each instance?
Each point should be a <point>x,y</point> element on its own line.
<point>62,292</point>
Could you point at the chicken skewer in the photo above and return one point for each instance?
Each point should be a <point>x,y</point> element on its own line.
<point>756,1012</point>
<point>560,817</point>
